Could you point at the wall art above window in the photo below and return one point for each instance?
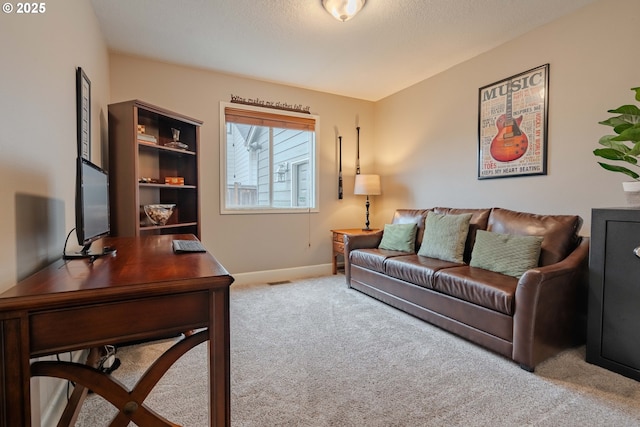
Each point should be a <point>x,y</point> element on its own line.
<point>512,125</point>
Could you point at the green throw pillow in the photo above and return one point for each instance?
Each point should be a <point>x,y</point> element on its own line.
<point>399,237</point>
<point>505,253</point>
<point>445,236</point>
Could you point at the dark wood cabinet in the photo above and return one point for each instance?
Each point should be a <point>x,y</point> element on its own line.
<point>141,157</point>
<point>613,334</point>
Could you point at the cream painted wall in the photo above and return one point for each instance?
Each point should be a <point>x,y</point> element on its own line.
<point>38,146</point>
<point>426,139</point>
<point>38,128</point>
<point>250,243</point>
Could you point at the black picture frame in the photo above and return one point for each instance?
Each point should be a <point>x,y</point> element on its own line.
<point>83,109</point>
<point>512,125</point>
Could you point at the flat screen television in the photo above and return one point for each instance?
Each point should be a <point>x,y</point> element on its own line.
<point>92,206</point>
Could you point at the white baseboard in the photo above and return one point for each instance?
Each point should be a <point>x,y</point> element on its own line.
<point>270,276</point>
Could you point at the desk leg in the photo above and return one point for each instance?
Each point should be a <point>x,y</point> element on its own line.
<point>219,360</point>
<point>15,405</point>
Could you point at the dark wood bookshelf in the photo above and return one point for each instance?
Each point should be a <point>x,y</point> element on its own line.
<point>131,160</point>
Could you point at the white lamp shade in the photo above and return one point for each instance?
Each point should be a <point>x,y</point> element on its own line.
<point>343,10</point>
<point>367,185</point>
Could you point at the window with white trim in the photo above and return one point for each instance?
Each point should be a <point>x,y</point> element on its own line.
<point>268,160</point>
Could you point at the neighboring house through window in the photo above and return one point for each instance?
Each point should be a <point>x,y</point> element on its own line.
<point>268,160</point>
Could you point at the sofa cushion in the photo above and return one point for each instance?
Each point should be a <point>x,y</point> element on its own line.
<point>373,259</point>
<point>491,290</point>
<point>559,232</point>
<point>445,236</point>
<point>399,237</point>
<point>411,216</point>
<point>479,221</point>
<point>505,253</point>
<point>415,269</point>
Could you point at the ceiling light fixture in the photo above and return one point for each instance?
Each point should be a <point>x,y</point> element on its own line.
<point>343,10</point>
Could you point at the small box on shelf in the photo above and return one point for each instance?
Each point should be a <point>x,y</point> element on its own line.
<point>174,180</point>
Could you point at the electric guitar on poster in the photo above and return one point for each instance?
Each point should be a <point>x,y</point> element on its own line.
<point>510,143</point>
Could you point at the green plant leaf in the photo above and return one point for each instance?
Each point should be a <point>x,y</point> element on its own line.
<point>614,121</point>
<point>612,154</point>
<point>627,109</point>
<point>627,127</point>
<point>631,134</point>
<point>630,118</point>
<point>620,169</point>
<point>635,151</point>
<point>606,140</point>
<point>609,141</point>
<point>622,127</point>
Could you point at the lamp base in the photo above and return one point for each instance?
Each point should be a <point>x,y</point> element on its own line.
<point>366,224</point>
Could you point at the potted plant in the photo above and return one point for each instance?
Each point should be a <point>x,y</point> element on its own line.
<point>624,146</point>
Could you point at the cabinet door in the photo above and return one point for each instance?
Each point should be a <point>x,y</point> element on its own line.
<point>621,294</point>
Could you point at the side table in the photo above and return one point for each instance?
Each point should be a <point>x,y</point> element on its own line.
<point>338,242</point>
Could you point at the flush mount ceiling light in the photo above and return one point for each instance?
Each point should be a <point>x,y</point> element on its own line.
<point>343,10</point>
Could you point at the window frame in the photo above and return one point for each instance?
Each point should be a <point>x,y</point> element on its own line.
<point>314,164</point>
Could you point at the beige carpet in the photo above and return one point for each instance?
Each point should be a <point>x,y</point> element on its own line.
<point>314,353</point>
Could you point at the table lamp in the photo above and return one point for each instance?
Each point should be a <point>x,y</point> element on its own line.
<point>367,185</point>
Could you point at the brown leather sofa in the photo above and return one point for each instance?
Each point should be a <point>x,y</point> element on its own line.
<point>527,319</point>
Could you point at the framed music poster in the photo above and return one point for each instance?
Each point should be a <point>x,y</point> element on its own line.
<point>512,125</point>
<point>83,106</point>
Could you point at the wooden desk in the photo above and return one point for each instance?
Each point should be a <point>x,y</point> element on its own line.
<point>338,242</point>
<point>142,293</point>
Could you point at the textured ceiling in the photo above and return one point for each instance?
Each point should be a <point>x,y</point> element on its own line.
<point>390,45</point>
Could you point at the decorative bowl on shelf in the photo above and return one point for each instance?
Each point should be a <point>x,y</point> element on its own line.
<point>159,214</point>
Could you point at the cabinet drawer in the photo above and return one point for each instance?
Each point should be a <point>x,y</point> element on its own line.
<point>338,237</point>
<point>73,328</point>
<point>338,247</point>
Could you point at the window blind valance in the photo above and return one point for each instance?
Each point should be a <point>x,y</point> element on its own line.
<point>259,118</point>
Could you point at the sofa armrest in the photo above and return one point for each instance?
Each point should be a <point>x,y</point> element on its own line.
<point>550,302</point>
<point>359,241</point>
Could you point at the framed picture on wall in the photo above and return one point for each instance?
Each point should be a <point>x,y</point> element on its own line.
<point>83,106</point>
<point>512,125</point>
